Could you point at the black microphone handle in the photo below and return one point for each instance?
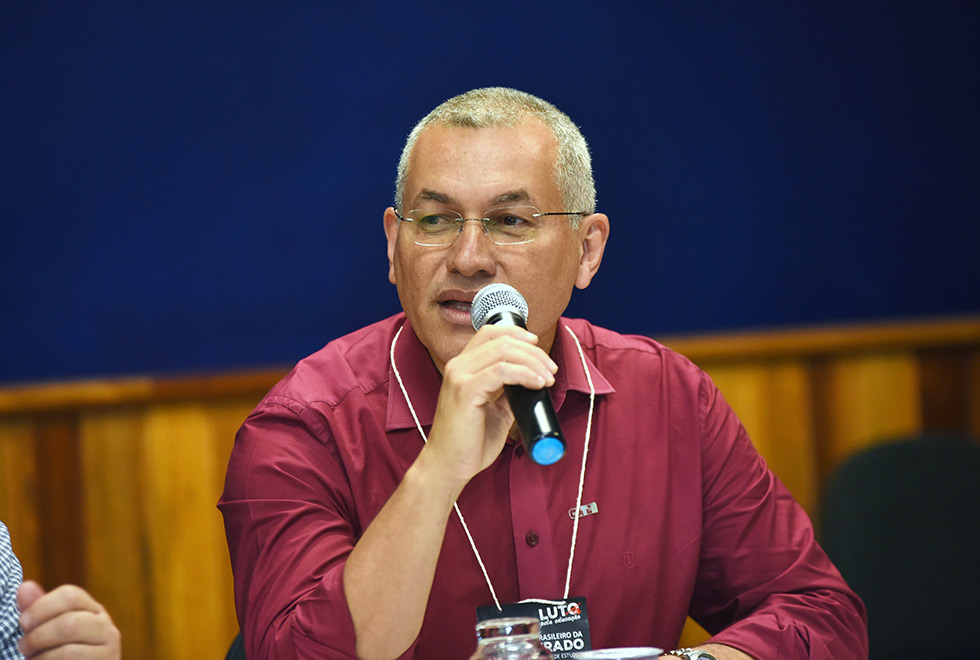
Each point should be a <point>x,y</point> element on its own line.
<point>533,410</point>
<point>535,415</point>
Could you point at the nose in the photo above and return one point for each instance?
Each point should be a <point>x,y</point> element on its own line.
<point>473,251</point>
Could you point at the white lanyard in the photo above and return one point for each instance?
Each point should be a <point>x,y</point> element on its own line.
<point>581,479</point>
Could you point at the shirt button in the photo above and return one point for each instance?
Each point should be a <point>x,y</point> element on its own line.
<point>520,450</point>
<point>531,538</point>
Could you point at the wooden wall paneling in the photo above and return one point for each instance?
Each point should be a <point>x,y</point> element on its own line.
<point>118,565</point>
<point>862,400</point>
<point>59,495</point>
<point>692,634</point>
<point>187,551</point>
<point>973,385</point>
<point>945,389</point>
<point>791,451</point>
<point>18,491</point>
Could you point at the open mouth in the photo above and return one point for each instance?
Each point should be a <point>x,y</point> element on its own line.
<point>455,305</point>
<point>459,305</point>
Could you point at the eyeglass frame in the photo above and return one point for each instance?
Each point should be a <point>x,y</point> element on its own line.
<point>461,222</point>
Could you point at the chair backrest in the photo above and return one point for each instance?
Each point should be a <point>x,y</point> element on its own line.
<point>237,650</point>
<point>902,523</point>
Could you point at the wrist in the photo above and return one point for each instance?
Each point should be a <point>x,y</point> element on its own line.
<point>430,474</point>
<point>711,650</point>
<point>690,654</point>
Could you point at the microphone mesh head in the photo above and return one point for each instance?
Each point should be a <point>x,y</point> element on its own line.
<point>494,298</point>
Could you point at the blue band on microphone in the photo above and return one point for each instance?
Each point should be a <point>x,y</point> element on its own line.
<point>547,450</point>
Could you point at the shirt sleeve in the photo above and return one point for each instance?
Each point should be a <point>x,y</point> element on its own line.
<point>10,578</point>
<point>291,524</point>
<point>764,584</point>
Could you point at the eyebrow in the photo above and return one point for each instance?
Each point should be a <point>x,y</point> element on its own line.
<point>519,195</point>
<point>432,196</point>
<point>427,195</point>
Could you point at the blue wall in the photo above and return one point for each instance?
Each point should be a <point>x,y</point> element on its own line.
<point>173,178</point>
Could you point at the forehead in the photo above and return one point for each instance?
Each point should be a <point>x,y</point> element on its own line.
<point>477,165</point>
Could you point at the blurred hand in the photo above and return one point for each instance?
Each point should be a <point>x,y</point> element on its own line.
<point>65,623</point>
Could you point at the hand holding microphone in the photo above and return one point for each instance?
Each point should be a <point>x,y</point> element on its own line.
<point>502,304</point>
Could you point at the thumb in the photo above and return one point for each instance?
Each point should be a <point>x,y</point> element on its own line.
<point>29,592</point>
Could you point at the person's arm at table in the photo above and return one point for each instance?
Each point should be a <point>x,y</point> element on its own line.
<point>389,573</point>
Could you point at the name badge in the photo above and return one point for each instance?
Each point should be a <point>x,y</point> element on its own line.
<point>564,626</point>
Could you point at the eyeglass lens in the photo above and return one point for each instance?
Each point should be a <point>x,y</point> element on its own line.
<point>505,225</point>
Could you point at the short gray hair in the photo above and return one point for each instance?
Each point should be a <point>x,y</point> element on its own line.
<point>502,106</point>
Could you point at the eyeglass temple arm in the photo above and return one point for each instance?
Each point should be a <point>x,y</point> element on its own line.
<point>538,215</point>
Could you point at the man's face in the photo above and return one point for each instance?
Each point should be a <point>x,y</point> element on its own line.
<point>472,171</point>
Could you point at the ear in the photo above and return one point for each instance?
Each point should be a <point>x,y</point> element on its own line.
<point>593,232</point>
<point>391,232</point>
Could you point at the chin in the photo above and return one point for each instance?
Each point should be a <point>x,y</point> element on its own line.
<point>449,350</point>
<point>445,344</point>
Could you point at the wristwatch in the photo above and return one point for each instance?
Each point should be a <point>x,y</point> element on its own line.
<point>691,654</point>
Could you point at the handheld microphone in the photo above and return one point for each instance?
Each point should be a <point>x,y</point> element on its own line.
<point>502,304</point>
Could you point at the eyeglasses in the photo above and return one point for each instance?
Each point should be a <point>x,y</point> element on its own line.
<point>507,225</point>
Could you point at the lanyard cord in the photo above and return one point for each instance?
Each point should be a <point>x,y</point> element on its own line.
<point>581,481</point>
<point>585,454</point>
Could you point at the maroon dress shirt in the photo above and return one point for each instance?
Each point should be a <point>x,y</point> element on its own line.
<point>689,519</point>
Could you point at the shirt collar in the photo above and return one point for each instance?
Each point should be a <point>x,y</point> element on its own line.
<point>423,380</point>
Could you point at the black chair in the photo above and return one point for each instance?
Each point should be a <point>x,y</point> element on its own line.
<point>237,650</point>
<point>902,523</point>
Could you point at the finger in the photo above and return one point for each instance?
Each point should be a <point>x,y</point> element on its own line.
<point>469,386</point>
<point>510,350</point>
<point>71,628</point>
<point>27,594</point>
<point>491,332</point>
<point>83,631</point>
<point>76,652</point>
<point>66,598</point>
<point>511,372</point>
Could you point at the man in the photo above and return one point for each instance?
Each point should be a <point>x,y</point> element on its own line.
<point>65,623</point>
<point>339,497</point>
